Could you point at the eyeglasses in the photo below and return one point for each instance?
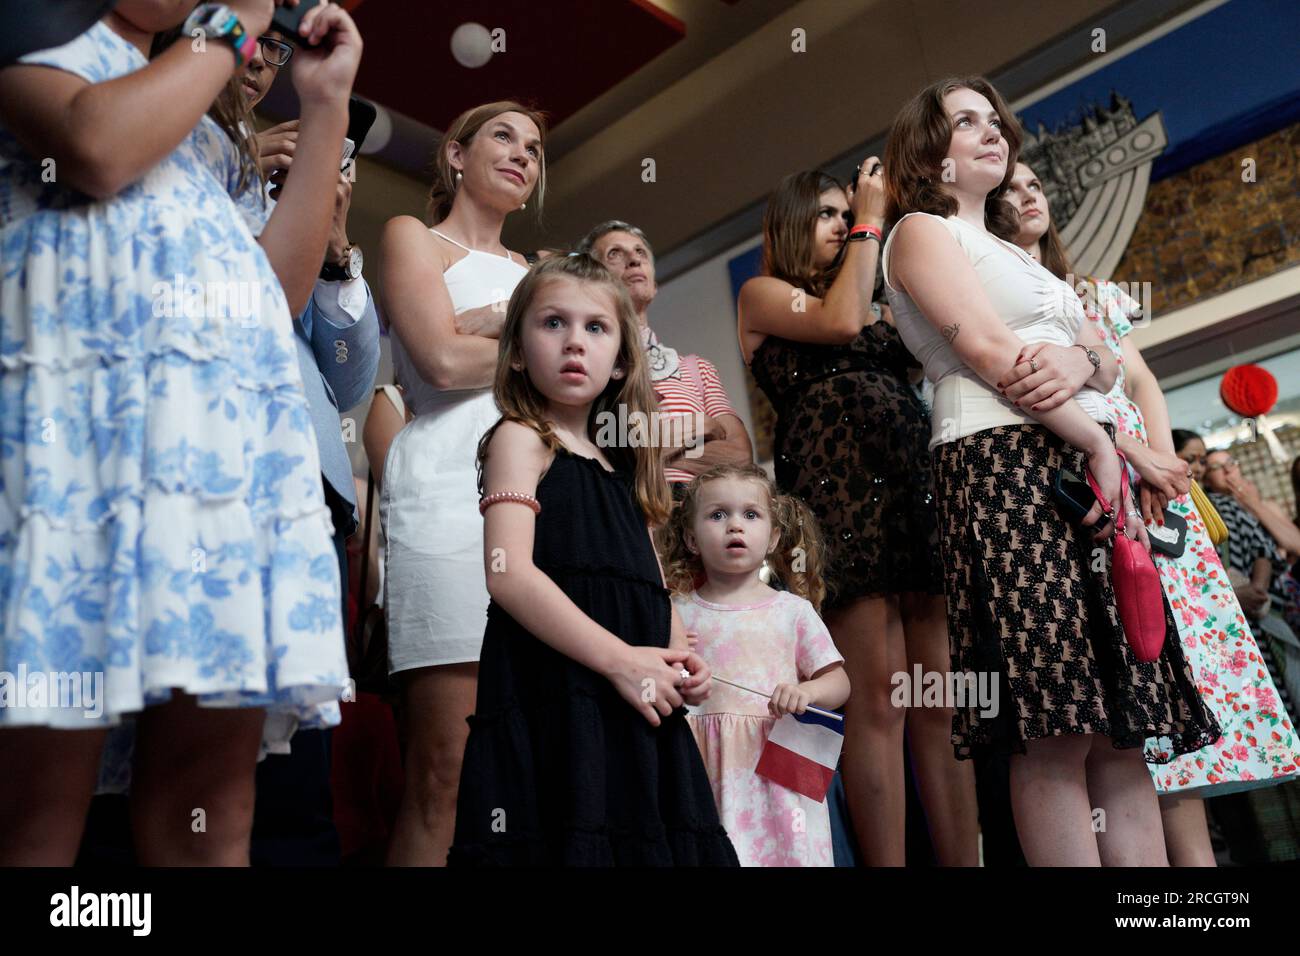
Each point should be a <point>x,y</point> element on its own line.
<point>275,52</point>
<point>1230,463</point>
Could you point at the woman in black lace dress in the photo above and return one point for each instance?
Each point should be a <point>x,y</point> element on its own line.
<point>851,440</point>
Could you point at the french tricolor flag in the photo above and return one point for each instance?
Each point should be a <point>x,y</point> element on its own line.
<point>802,752</point>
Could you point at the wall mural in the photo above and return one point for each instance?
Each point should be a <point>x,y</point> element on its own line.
<point>1095,175</point>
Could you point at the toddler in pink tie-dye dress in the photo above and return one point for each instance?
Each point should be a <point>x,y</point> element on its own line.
<point>768,640</point>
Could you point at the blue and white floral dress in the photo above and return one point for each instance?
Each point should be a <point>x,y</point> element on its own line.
<point>161,513</point>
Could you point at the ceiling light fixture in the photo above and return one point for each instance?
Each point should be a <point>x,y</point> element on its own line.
<point>471,45</point>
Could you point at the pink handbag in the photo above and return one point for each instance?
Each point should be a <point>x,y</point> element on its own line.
<point>1138,593</point>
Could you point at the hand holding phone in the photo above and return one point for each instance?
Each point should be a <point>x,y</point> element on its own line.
<point>329,54</point>
<point>1170,536</point>
<point>361,116</point>
<point>287,19</point>
<point>1073,495</point>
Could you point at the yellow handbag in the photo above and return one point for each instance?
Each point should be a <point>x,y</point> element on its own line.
<point>1218,531</point>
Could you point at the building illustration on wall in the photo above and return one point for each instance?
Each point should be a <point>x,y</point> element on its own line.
<point>1095,176</point>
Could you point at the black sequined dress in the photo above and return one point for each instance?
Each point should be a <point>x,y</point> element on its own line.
<point>851,440</point>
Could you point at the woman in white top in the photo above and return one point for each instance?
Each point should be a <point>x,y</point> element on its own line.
<point>445,292</point>
<point>1029,596</point>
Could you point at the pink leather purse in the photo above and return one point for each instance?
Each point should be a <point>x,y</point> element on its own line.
<point>1138,594</point>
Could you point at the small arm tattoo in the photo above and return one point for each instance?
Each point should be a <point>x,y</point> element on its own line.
<point>950,332</point>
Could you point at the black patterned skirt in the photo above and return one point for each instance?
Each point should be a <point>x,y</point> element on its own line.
<point>1030,605</point>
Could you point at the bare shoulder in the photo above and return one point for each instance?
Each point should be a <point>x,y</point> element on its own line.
<point>761,288</point>
<point>913,240</point>
<point>407,227</point>
<point>405,237</point>
<point>912,231</point>
<point>516,453</point>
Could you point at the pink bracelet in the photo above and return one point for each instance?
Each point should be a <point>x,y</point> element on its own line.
<point>516,496</point>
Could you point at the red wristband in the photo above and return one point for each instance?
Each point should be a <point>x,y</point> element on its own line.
<point>866,229</point>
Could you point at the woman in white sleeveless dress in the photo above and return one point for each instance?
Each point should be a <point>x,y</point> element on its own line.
<point>445,291</point>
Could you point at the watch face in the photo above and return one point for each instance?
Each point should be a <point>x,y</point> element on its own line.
<point>354,263</point>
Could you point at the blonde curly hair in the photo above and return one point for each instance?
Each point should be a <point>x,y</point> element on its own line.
<point>798,558</point>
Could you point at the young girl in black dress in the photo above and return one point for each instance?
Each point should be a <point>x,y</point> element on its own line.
<point>579,752</point>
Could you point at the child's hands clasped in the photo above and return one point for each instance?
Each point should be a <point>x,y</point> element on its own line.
<point>788,699</point>
<point>647,678</point>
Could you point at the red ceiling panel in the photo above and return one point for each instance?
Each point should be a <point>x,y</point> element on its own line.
<point>559,54</point>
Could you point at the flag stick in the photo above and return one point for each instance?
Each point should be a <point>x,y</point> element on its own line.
<point>815,710</point>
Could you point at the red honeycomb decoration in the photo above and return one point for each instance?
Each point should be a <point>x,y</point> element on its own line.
<point>1249,390</point>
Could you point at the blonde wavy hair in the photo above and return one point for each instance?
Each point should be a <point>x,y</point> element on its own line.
<point>520,401</point>
<point>799,556</point>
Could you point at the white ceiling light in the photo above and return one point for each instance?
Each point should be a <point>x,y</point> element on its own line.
<point>471,45</point>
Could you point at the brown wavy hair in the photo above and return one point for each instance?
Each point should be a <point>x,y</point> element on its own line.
<point>520,401</point>
<point>1051,249</point>
<point>918,142</point>
<point>229,111</point>
<point>462,130</point>
<point>1052,253</point>
<point>800,553</point>
<point>788,223</point>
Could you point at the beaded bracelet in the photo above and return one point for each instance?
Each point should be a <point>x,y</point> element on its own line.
<point>516,496</point>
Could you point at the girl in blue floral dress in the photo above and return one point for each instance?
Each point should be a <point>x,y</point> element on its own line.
<point>165,547</point>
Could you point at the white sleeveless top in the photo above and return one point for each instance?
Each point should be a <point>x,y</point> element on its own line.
<point>1033,303</point>
<point>435,596</point>
<point>473,281</point>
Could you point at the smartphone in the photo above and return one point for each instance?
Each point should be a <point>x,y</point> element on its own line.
<point>361,116</point>
<point>1171,537</point>
<point>1073,495</point>
<point>288,19</point>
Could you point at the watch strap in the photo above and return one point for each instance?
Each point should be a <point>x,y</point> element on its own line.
<point>1093,357</point>
<point>220,23</point>
<point>333,272</point>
